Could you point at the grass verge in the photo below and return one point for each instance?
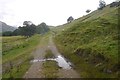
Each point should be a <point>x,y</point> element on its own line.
<point>16,58</point>
<point>49,54</point>
<point>50,69</point>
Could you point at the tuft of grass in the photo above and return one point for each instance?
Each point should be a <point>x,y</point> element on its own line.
<point>49,54</point>
<point>50,69</point>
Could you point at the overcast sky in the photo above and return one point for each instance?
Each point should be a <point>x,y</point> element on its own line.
<point>52,12</point>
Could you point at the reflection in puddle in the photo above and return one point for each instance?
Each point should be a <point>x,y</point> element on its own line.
<point>60,60</point>
<point>63,63</point>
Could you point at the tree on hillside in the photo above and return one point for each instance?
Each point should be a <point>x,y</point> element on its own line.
<point>102,4</point>
<point>28,29</point>
<point>16,32</point>
<point>42,28</point>
<point>27,23</point>
<point>7,33</point>
<point>88,10</point>
<point>70,19</point>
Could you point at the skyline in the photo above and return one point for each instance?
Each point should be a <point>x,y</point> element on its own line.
<point>52,12</point>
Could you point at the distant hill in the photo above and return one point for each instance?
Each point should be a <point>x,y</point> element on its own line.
<point>4,27</point>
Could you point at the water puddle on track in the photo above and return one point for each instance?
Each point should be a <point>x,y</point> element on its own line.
<point>60,60</point>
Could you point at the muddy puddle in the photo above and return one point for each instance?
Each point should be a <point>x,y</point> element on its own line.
<point>61,61</point>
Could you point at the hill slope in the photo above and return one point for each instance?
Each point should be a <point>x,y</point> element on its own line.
<point>91,43</point>
<point>4,27</point>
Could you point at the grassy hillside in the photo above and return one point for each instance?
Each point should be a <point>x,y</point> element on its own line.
<point>17,54</point>
<point>91,43</point>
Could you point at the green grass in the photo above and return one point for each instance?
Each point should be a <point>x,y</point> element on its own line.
<point>49,54</point>
<point>18,71</point>
<point>26,46</point>
<point>20,52</point>
<point>9,43</point>
<point>92,40</point>
<point>50,69</point>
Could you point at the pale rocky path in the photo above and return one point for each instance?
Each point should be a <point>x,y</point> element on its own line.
<point>36,68</point>
<point>63,73</point>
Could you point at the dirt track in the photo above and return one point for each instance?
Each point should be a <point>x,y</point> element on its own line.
<point>36,68</point>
